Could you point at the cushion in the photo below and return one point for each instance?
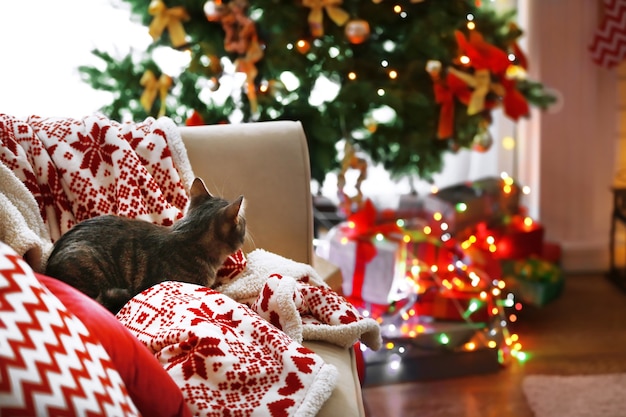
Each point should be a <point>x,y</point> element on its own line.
<point>137,366</point>
<point>50,363</point>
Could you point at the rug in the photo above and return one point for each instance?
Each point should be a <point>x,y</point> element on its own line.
<point>576,396</point>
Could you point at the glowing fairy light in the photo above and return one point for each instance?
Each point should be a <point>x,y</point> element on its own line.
<point>380,92</point>
<point>384,63</point>
<point>444,226</point>
<point>526,190</point>
<point>508,143</point>
<point>473,306</point>
<point>427,230</point>
<point>394,363</point>
<point>492,344</point>
<point>464,60</point>
<point>400,223</point>
<point>471,25</point>
<point>393,74</point>
<point>461,207</point>
<point>406,238</point>
<point>437,216</point>
<point>344,240</point>
<point>351,224</point>
<point>352,75</point>
<point>444,339</point>
<point>380,237</point>
<point>528,221</point>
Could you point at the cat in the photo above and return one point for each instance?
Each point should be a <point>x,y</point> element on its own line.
<point>112,258</point>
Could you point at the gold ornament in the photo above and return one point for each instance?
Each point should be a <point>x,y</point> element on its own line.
<point>357,31</point>
<point>482,140</point>
<point>168,18</point>
<point>316,18</point>
<point>153,85</point>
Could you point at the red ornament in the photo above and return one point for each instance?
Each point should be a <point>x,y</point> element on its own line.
<point>357,31</point>
<point>195,119</point>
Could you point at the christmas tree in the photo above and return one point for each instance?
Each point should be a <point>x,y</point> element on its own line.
<point>403,81</point>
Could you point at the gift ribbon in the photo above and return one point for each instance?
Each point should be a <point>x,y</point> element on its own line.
<point>336,14</point>
<point>153,86</point>
<point>445,91</point>
<point>246,64</point>
<point>168,18</point>
<point>362,229</point>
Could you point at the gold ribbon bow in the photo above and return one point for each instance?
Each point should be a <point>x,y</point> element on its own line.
<point>480,81</point>
<point>168,18</point>
<point>153,85</point>
<point>336,14</point>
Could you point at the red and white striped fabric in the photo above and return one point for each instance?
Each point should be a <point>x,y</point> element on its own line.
<point>50,364</point>
<point>609,43</point>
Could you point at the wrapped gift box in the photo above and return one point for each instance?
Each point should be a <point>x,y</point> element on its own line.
<point>534,281</point>
<point>460,206</point>
<point>424,357</point>
<point>503,196</point>
<point>371,280</point>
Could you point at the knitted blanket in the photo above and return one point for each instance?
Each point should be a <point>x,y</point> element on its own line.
<point>77,169</point>
<point>68,170</point>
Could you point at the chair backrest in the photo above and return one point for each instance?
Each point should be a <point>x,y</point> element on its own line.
<point>267,162</point>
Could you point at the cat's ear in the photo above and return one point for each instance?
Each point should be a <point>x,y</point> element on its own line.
<point>199,189</point>
<point>235,209</point>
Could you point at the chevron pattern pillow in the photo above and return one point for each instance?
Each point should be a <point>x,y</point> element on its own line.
<point>50,364</point>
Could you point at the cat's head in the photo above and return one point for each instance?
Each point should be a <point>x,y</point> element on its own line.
<point>225,219</point>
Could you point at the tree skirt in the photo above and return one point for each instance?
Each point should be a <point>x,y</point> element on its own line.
<point>576,396</point>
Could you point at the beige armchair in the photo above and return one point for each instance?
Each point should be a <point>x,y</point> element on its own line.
<point>268,163</point>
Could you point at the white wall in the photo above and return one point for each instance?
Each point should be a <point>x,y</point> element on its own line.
<point>43,43</point>
<point>569,156</point>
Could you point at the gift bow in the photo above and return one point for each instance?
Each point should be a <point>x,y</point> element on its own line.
<point>336,14</point>
<point>153,85</point>
<point>170,19</point>
<point>363,227</point>
<point>487,59</point>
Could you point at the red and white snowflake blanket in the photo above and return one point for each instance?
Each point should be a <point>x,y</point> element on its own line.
<point>72,170</point>
<point>77,169</point>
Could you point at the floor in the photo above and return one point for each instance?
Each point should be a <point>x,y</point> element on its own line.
<point>581,332</point>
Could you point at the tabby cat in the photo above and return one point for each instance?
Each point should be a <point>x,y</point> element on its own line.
<point>112,258</point>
